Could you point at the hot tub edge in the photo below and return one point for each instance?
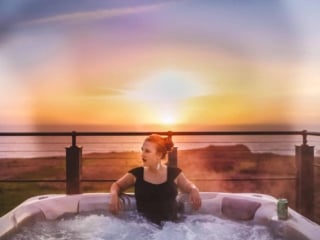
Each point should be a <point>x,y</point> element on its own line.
<point>255,208</point>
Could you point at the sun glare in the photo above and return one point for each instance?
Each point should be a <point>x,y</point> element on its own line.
<point>165,92</point>
<point>168,120</point>
<point>168,86</point>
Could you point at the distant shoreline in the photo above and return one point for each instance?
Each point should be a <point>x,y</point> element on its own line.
<point>31,147</point>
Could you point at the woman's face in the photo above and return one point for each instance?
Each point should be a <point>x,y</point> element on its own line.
<point>150,156</point>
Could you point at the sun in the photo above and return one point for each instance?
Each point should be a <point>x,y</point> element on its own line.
<point>168,120</point>
<point>164,93</point>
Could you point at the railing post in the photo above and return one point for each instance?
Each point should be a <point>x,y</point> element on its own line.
<point>173,157</point>
<point>73,167</point>
<point>173,154</point>
<point>305,181</point>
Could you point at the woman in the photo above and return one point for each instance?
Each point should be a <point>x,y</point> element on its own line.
<point>156,185</point>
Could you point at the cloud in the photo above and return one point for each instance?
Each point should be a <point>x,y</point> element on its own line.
<point>105,92</point>
<point>95,15</point>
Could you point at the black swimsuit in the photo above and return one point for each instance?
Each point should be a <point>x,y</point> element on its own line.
<point>157,202</point>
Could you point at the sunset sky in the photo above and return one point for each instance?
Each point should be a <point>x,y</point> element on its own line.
<point>159,65</point>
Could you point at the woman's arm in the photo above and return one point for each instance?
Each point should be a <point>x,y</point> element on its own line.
<point>117,188</point>
<point>188,187</point>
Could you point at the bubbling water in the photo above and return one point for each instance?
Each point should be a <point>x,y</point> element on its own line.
<point>132,226</point>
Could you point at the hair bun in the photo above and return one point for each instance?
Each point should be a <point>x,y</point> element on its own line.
<point>168,143</point>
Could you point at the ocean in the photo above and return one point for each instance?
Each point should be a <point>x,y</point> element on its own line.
<point>31,147</point>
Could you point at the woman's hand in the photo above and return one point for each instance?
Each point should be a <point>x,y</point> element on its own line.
<point>188,187</point>
<point>194,198</point>
<point>115,204</point>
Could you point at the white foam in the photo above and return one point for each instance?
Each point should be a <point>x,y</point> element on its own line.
<point>131,226</point>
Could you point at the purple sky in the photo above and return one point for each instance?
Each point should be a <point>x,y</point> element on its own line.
<point>181,64</point>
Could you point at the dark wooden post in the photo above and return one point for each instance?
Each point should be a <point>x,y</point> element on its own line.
<point>173,157</point>
<point>305,180</point>
<point>73,167</point>
<point>173,154</point>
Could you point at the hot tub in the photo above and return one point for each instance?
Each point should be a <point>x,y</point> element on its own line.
<point>250,209</point>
